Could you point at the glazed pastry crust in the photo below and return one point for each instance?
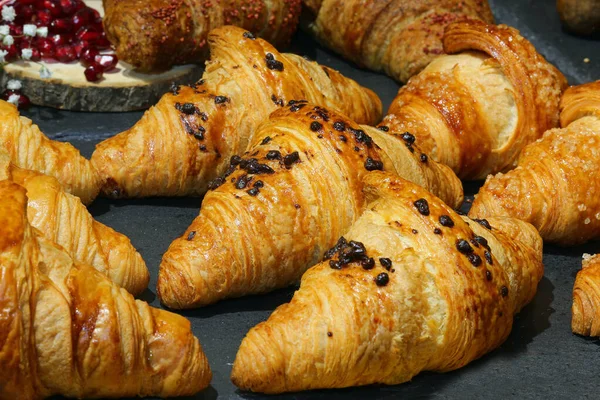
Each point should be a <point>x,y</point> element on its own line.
<point>399,37</point>
<point>67,329</point>
<point>438,312</point>
<point>246,242</point>
<point>586,298</point>
<point>556,186</point>
<point>477,107</point>
<point>157,34</point>
<point>64,220</point>
<point>29,148</point>
<point>239,89</point>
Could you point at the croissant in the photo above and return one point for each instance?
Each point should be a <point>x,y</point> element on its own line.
<point>64,220</point>
<point>476,108</point>
<point>586,300</point>
<point>67,329</point>
<point>154,35</point>
<point>29,148</point>
<point>278,208</point>
<point>187,139</point>
<point>556,186</point>
<point>411,287</point>
<point>399,37</point>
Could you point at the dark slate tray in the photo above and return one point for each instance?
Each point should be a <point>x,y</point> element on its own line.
<point>540,359</point>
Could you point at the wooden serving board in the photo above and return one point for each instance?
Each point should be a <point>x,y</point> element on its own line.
<point>122,89</point>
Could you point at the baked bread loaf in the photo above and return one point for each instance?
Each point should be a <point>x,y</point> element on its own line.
<point>187,139</point>
<point>556,186</point>
<point>412,287</point>
<point>29,148</point>
<point>586,298</point>
<point>154,35</point>
<point>64,220</point>
<point>281,205</point>
<point>580,16</point>
<point>67,329</point>
<point>399,37</point>
<point>477,107</point>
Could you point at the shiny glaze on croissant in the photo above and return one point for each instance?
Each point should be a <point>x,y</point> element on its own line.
<point>399,37</point>
<point>586,298</point>
<point>413,287</point>
<point>29,148</point>
<point>477,107</point>
<point>67,329</point>
<point>284,203</point>
<point>64,220</point>
<point>204,125</point>
<point>556,186</point>
<point>153,35</point>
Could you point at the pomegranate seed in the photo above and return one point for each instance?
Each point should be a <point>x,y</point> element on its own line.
<point>15,30</point>
<point>35,55</point>
<point>53,7</point>
<point>12,54</point>
<point>88,56</point>
<point>43,18</point>
<point>24,102</point>
<point>102,43</point>
<point>61,25</point>
<point>107,61</point>
<point>27,2</point>
<point>67,6</point>
<point>79,4</point>
<point>82,18</point>
<point>60,40</point>
<point>24,13</point>
<point>88,34</point>
<point>46,47</point>
<point>65,54</point>
<point>79,46</point>
<point>96,18</point>
<point>8,92</point>
<point>93,73</point>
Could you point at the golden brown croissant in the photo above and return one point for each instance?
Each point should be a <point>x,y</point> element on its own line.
<point>586,298</point>
<point>67,329</point>
<point>556,186</point>
<point>63,219</point>
<point>153,35</point>
<point>411,288</point>
<point>399,37</point>
<point>580,16</point>
<point>29,148</point>
<point>476,108</point>
<point>278,208</point>
<point>188,137</point>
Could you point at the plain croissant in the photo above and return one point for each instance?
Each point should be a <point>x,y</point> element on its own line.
<point>153,35</point>
<point>399,37</point>
<point>556,186</point>
<point>29,148</point>
<point>586,298</point>
<point>67,329</point>
<point>278,208</point>
<point>64,220</point>
<point>411,287</point>
<point>187,139</point>
<point>477,107</point>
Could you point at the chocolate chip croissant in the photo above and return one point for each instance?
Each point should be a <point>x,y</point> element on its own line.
<point>411,287</point>
<point>29,148</point>
<point>186,140</point>
<point>66,329</point>
<point>153,35</point>
<point>399,37</point>
<point>64,220</point>
<point>556,186</point>
<point>281,205</point>
<point>477,107</point>
<point>586,298</point>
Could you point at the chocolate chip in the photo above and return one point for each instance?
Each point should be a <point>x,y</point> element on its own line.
<point>316,126</point>
<point>484,223</point>
<point>408,138</point>
<point>488,275</point>
<point>368,263</point>
<point>437,231</point>
<point>386,263</point>
<point>249,35</point>
<point>482,241</point>
<point>474,259</point>
<point>235,160</point>
<point>215,183</point>
<point>188,108</point>
<point>175,89</point>
<point>373,165</point>
<point>335,264</point>
<point>488,257</point>
<point>258,184</point>
<point>273,155</point>
<point>243,181</point>
<point>253,192</point>
<point>343,138</point>
<point>272,63</point>
<point>221,99</point>
<point>446,221</point>
<point>329,334</point>
<point>414,231</point>
<point>422,206</point>
<point>339,126</point>
<point>191,235</point>
<point>463,246</point>
<point>291,159</point>
<point>265,140</point>
<point>423,157</point>
<point>382,279</point>
<point>504,291</point>
<point>383,128</point>
<point>278,102</point>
